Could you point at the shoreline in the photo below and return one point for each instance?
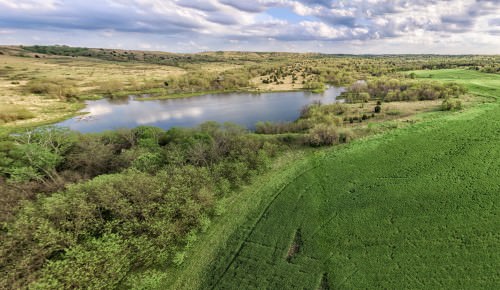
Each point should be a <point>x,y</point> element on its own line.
<point>81,104</point>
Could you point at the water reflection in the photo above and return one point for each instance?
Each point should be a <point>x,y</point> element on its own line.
<point>165,116</point>
<point>98,110</point>
<point>245,109</point>
<point>121,100</point>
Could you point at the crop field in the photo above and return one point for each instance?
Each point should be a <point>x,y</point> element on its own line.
<point>413,208</point>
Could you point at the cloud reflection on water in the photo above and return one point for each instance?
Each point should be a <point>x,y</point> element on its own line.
<point>164,116</point>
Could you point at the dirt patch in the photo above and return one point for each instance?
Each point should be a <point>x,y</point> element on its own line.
<point>324,285</point>
<point>295,246</point>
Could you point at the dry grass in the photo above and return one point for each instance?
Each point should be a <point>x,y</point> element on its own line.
<point>406,109</point>
<point>10,113</point>
<point>86,74</point>
<point>393,110</point>
<point>399,112</point>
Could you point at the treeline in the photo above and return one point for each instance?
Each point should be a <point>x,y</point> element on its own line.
<point>395,63</point>
<point>162,58</point>
<point>122,55</point>
<point>391,89</point>
<point>59,50</point>
<point>493,68</point>
<point>123,200</point>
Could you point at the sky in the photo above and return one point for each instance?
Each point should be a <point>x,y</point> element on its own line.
<point>328,26</point>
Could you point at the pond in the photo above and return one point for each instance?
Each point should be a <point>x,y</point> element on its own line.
<point>245,109</point>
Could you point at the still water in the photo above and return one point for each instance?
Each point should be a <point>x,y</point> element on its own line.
<point>244,109</point>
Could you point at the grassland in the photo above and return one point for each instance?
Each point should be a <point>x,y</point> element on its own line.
<point>85,74</point>
<point>411,208</point>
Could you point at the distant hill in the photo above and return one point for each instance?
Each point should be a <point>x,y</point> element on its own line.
<point>156,57</point>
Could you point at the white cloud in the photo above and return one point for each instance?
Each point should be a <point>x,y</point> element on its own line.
<point>30,4</point>
<point>194,25</point>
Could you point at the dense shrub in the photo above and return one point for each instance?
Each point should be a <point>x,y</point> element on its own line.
<point>201,81</point>
<point>56,88</point>
<point>390,90</point>
<point>314,85</point>
<point>451,105</point>
<point>282,127</point>
<point>345,135</point>
<point>322,135</point>
<point>93,155</point>
<point>153,192</point>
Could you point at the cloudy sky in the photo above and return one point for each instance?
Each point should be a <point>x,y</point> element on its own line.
<point>331,26</point>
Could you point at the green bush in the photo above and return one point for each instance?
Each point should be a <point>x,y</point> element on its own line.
<point>154,192</point>
<point>396,89</point>
<point>149,162</point>
<point>82,265</point>
<point>281,127</point>
<point>322,135</point>
<point>451,105</point>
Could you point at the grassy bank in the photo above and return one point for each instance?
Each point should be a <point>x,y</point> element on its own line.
<point>182,95</point>
<point>201,93</point>
<point>56,112</point>
<point>411,208</point>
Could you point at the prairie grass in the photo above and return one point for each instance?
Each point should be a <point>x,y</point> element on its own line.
<point>10,113</point>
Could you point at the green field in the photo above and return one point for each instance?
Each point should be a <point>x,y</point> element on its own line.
<point>414,208</point>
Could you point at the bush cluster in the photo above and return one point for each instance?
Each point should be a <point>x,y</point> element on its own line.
<point>56,88</point>
<point>390,90</point>
<point>451,105</point>
<point>299,126</point>
<point>148,193</point>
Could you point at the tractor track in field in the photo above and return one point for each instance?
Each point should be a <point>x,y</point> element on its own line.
<point>261,216</point>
